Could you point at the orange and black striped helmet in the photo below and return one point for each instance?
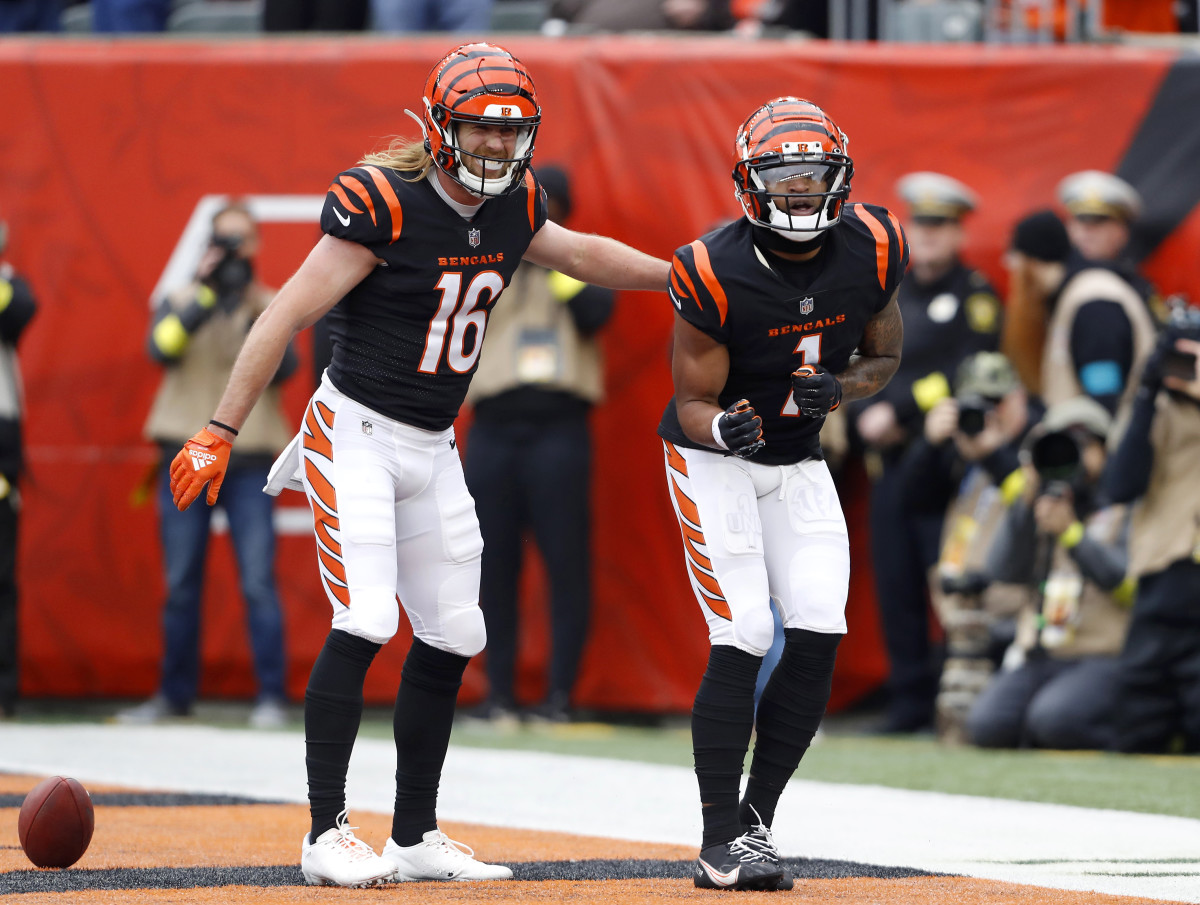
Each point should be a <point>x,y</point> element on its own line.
<point>480,83</point>
<point>792,173</point>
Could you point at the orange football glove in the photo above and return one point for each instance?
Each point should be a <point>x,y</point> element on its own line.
<point>203,460</point>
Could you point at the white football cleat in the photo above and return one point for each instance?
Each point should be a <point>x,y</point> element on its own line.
<point>438,857</point>
<point>339,858</point>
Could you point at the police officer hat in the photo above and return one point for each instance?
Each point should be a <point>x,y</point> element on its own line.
<point>935,196</point>
<point>1093,193</point>
<point>987,374</point>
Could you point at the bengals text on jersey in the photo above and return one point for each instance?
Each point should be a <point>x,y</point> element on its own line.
<point>775,315</point>
<point>406,339</point>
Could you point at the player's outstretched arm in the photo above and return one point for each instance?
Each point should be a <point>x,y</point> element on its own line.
<point>878,354</point>
<point>332,268</point>
<point>598,260</point>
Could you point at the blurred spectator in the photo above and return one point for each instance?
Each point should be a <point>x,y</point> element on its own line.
<point>29,15</point>
<point>643,15</point>
<point>314,15</point>
<point>431,15</point>
<point>195,335</point>
<point>17,307</point>
<point>1079,314</point>
<point>962,470</point>
<point>1067,547</point>
<point>950,311</point>
<point>528,461</point>
<point>126,16</point>
<point>1158,464</point>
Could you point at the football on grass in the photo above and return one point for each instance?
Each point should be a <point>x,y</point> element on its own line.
<point>56,822</point>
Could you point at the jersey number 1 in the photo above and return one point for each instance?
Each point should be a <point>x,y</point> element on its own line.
<point>457,313</point>
<point>810,354</point>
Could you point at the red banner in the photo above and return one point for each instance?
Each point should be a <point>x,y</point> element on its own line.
<point>111,147</point>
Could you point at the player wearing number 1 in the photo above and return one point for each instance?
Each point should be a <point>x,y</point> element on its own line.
<point>780,316</point>
<point>419,242</point>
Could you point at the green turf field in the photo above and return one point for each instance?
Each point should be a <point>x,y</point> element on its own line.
<point>1157,785</point>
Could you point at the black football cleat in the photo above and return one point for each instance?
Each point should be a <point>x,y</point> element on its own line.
<point>759,838</point>
<point>737,865</point>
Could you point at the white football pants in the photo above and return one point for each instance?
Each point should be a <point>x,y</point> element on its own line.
<point>755,533</point>
<point>395,525</point>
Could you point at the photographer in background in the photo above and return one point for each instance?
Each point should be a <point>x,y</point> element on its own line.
<point>195,335</point>
<point>1067,548</point>
<point>1158,464</point>
<point>950,311</point>
<point>961,471</point>
<point>17,308</point>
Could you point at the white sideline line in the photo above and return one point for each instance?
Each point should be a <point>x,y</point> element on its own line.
<point>1041,844</point>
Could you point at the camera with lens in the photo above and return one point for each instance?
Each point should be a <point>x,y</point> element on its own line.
<point>1057,456</point>
<point>1183,322</point>
<point>972,413</point>
<point>233,273</point>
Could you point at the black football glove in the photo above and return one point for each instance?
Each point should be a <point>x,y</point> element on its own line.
<point>816,391</point>
<point>741,429</point>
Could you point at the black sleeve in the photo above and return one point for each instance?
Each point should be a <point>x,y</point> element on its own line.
<point>591,308</point>
<point>1104,566</point>
<point>1014,548</point>
<point>1102,349</point>
<point>19,309</point>
<point>1127,472</point>
<point>190,318</point>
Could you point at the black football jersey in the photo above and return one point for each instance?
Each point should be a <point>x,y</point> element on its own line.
<point>726,286</point>
<point>406,339</point>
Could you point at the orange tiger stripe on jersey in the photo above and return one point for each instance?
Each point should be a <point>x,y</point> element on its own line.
<point>325,520</point>
<point>316,440</point>
<point>530,197</point>
<point>704,268</point>
<point>675,459</point>
<point>389,195</point>
<point>678,271</point>
<point>901,238</point>
<point>881,241</point>
<point>356,186</point>
<point>344,198</point>
<point>321,488</point>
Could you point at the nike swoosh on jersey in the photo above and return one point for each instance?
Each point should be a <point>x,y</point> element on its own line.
<point>674,298</point>
<point>345,220</point>
<point>719,878</point>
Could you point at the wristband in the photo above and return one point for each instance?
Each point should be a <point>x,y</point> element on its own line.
<point>223,426</point>
<point>716,432</point>
<point>1072,536</point>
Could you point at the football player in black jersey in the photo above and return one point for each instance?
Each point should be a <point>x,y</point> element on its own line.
<point>420,241</point>
<point>780,317</point>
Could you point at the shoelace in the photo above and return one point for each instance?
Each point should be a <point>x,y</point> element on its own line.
<point>354,847</point>
<point>746,850</point>
<point>457,848</point>
<point>761,839</point>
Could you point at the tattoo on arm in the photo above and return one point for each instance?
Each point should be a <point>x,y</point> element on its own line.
<point>878,354</point>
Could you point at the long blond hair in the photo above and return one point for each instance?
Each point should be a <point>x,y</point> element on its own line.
<point>403,155</point>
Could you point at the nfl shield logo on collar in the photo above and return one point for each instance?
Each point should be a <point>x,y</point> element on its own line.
<point>806,305</point>
<point>473,237</point>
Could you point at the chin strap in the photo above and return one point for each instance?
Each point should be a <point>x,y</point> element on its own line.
<point>772,241</point>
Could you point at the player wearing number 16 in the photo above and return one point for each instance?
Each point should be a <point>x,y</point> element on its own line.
<point>419,242</point>
<point>780,317</point>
